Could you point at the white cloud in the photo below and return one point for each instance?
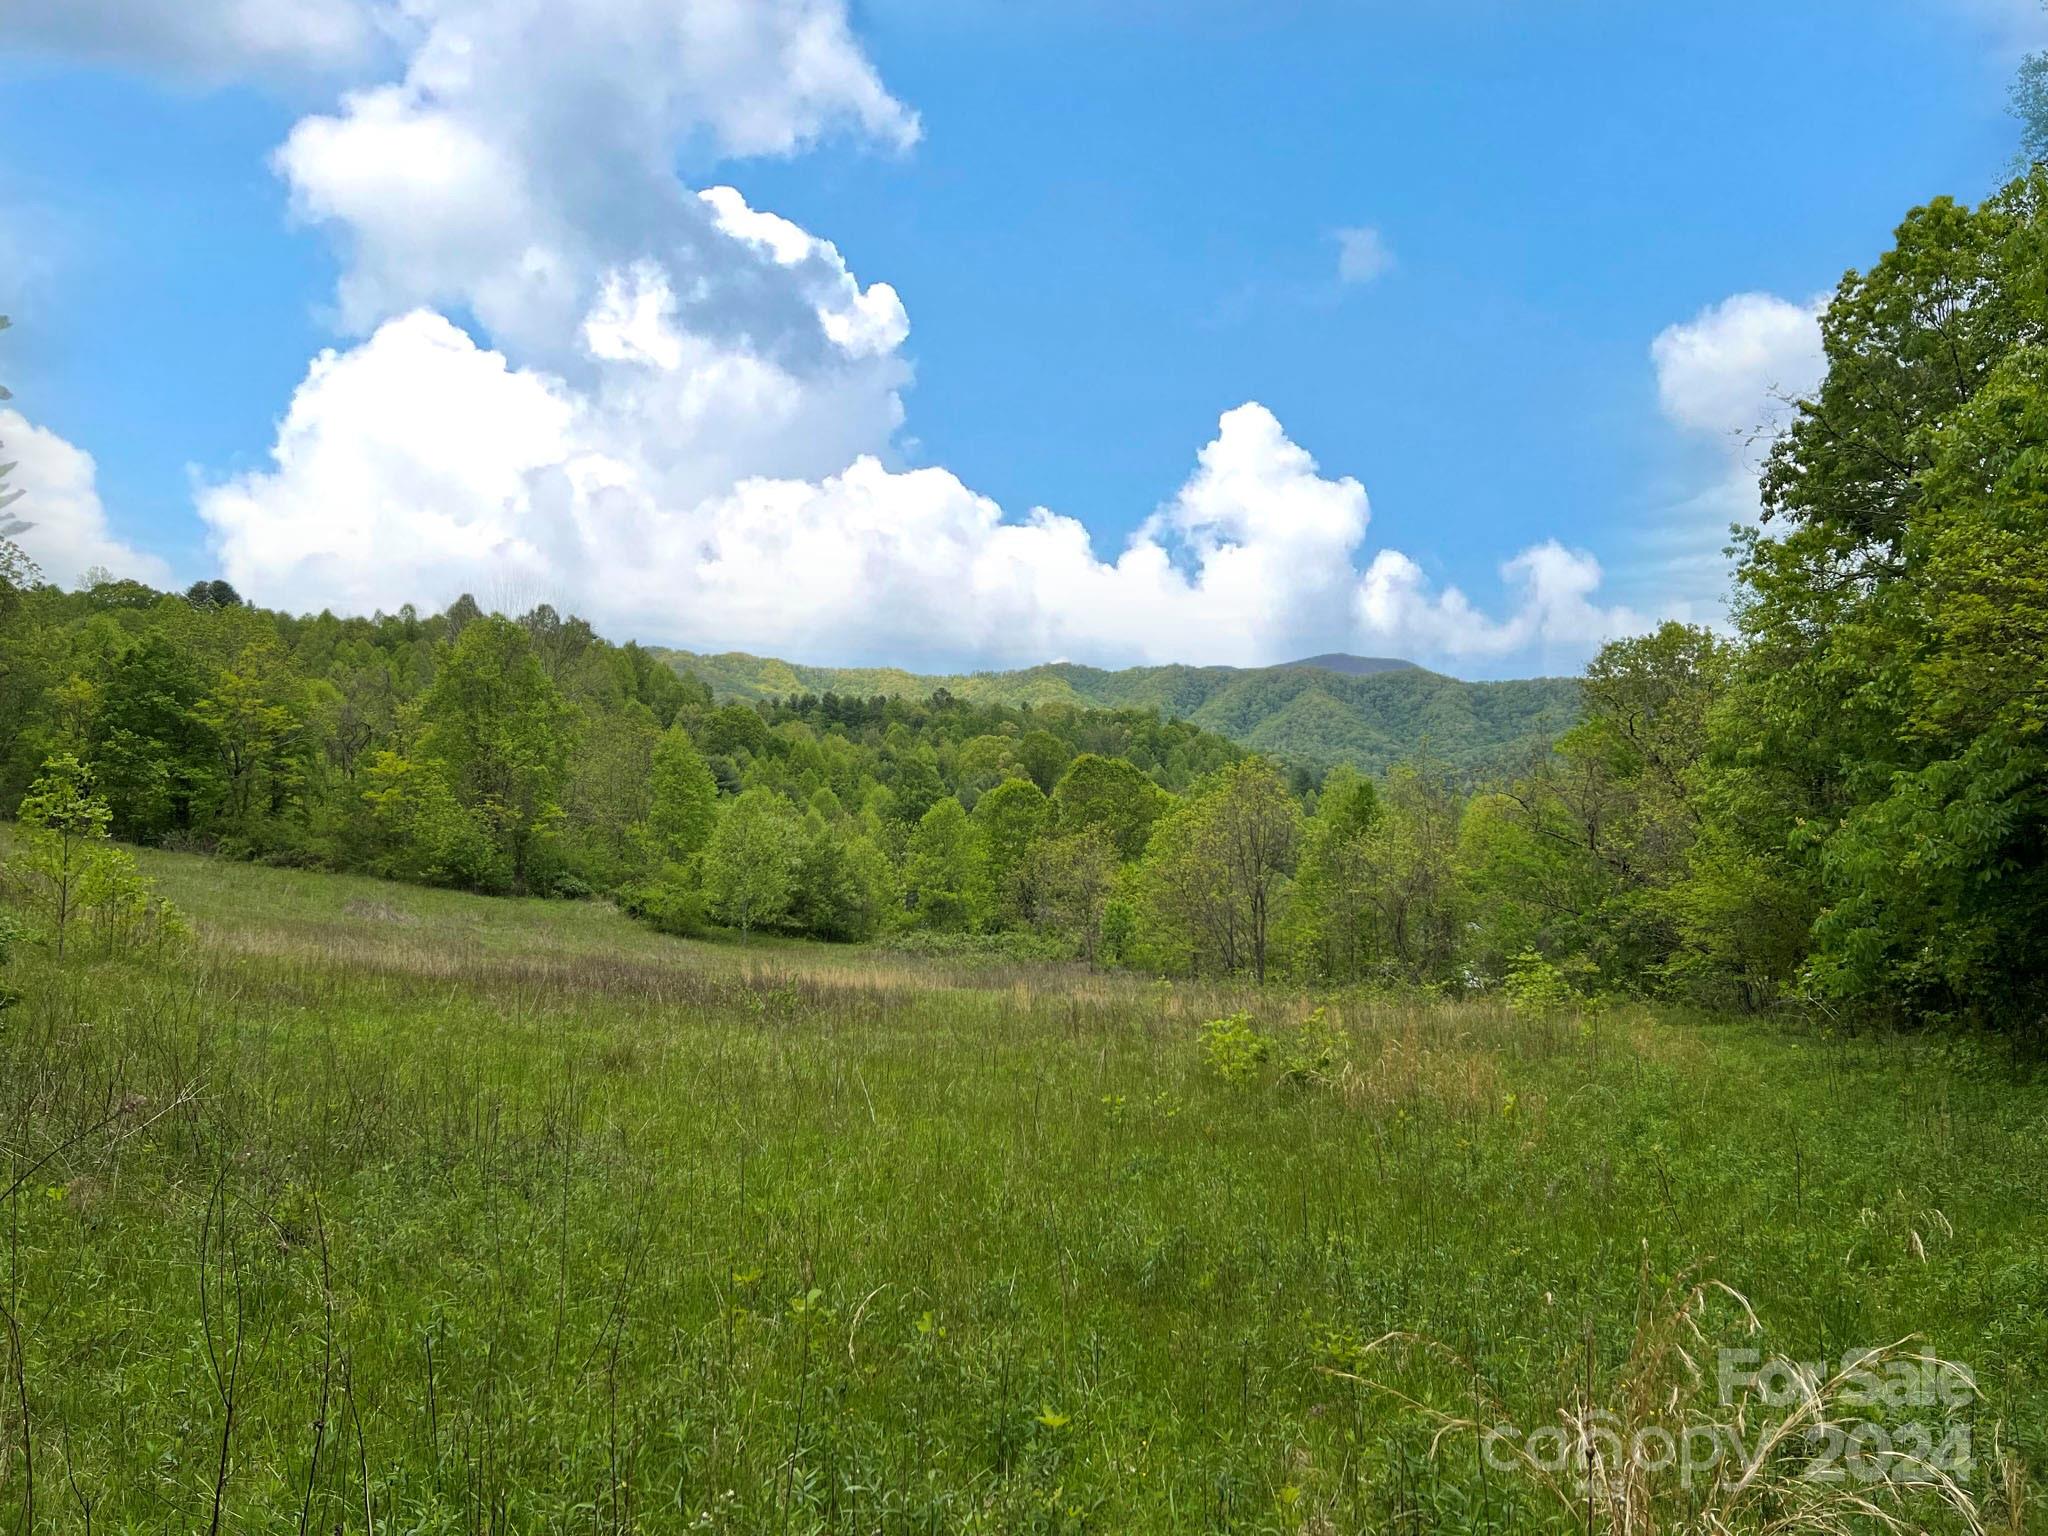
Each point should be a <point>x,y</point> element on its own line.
<point>1733,370</point>
<point>1363,255</point>
<point>1554,617</point>
<point>678,413</point>
<point>68,533</point>
<point>419,465</point>
<point>1727,379</point>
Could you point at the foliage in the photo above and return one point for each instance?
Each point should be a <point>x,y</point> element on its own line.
<point>1215,873</point>
<point>500,734</point>
<point>750,866</point>
<point>1536,987</point>
<point>1316,1051</point>
<point>13,934</point>
<point>1308,712</point>
<point>944,868</point>
<point>1875,770</point>
<point>1234,1049</point>
<point>69,875</point>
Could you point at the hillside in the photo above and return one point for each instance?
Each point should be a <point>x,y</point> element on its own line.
<point>787,1234</point>
<point>1366,711</point>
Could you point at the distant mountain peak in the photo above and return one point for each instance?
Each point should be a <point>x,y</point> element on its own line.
<point>1354,666</point>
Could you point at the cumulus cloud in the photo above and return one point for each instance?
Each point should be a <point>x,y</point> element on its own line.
<point>68,532</point>
<point>421,464</point>
<point>678,412</point>
<point>1554,618</point>
<point>1363,255</point>
<point>1728,379</point>
<point>1734,370</point>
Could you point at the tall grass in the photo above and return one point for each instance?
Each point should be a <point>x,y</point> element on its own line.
<point>387,1209</point>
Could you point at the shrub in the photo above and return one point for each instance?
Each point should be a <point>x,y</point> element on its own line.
<point>72,875</point>
<point>1317,1052</point>
<point>1234,1048</point>
<point>1536,987</point>
<point>669,904</point>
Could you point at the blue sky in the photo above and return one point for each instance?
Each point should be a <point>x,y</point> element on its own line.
<point>1107,224</point>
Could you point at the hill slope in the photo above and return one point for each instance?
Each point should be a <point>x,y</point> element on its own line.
<point>1367,711</point>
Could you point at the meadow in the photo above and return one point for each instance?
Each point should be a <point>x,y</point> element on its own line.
<point>372,1207</point>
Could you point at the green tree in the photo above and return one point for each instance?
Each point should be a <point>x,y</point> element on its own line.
<point>501,736</point>
<point>1256,827</point>
<point>1011,818</point>
<point>423,832</point>
<point>841,885</point>
<point>1411,875</point>
<point>64,824</point>
<point>1044,757</point>
<point>684,803</point>
<point>945,871</point>
<point>1111,795</point>
<point>750,863</point>
<point>147,741</point>
<point>1215,870</point>
<point>1936,879</point>
<point>1067,882</point>
<point>255,717</point>
<point>70,871</point>
<point>1332,928</point>
<point>1852,796</point>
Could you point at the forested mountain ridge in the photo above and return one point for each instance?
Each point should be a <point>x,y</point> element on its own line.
<point>1369,712</point>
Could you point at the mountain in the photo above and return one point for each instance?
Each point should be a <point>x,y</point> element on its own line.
<point>1354,666</point>
<point>1368,711</point>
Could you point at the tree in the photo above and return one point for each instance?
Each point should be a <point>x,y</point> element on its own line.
<point>1937,878</point>
<point>1066,882</point>
<point>254,716</point>
<point>1255,825</point>
<point>212,594</point>
<point>1906,342</point>
<point>2030,106</point>
<point>65,828</point>
<point>147,742</point>
<point>684,802</point>
<point>1215,868</point>
<point>422,832</point>
<point>1010,819</point>
<point>70,870</point>
<point>1334,931</point>
<point>1043,756</point>
<point>1111,795</point>
<point>501,735</point>
<point>1870,800</point>
<point>944,870</point>
<point>750,862</point>
<point>841,883</point>
<point>1411,874</point>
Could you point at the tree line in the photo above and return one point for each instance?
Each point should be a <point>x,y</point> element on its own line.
<point>1839,800</point>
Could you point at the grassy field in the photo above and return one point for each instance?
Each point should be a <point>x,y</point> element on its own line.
<point>379,1208</point>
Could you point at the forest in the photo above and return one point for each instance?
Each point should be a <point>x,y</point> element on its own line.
<point>1368,713</point>
<point>1839,801</point>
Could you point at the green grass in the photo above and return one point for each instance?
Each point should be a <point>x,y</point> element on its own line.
<point>573,1227</point>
